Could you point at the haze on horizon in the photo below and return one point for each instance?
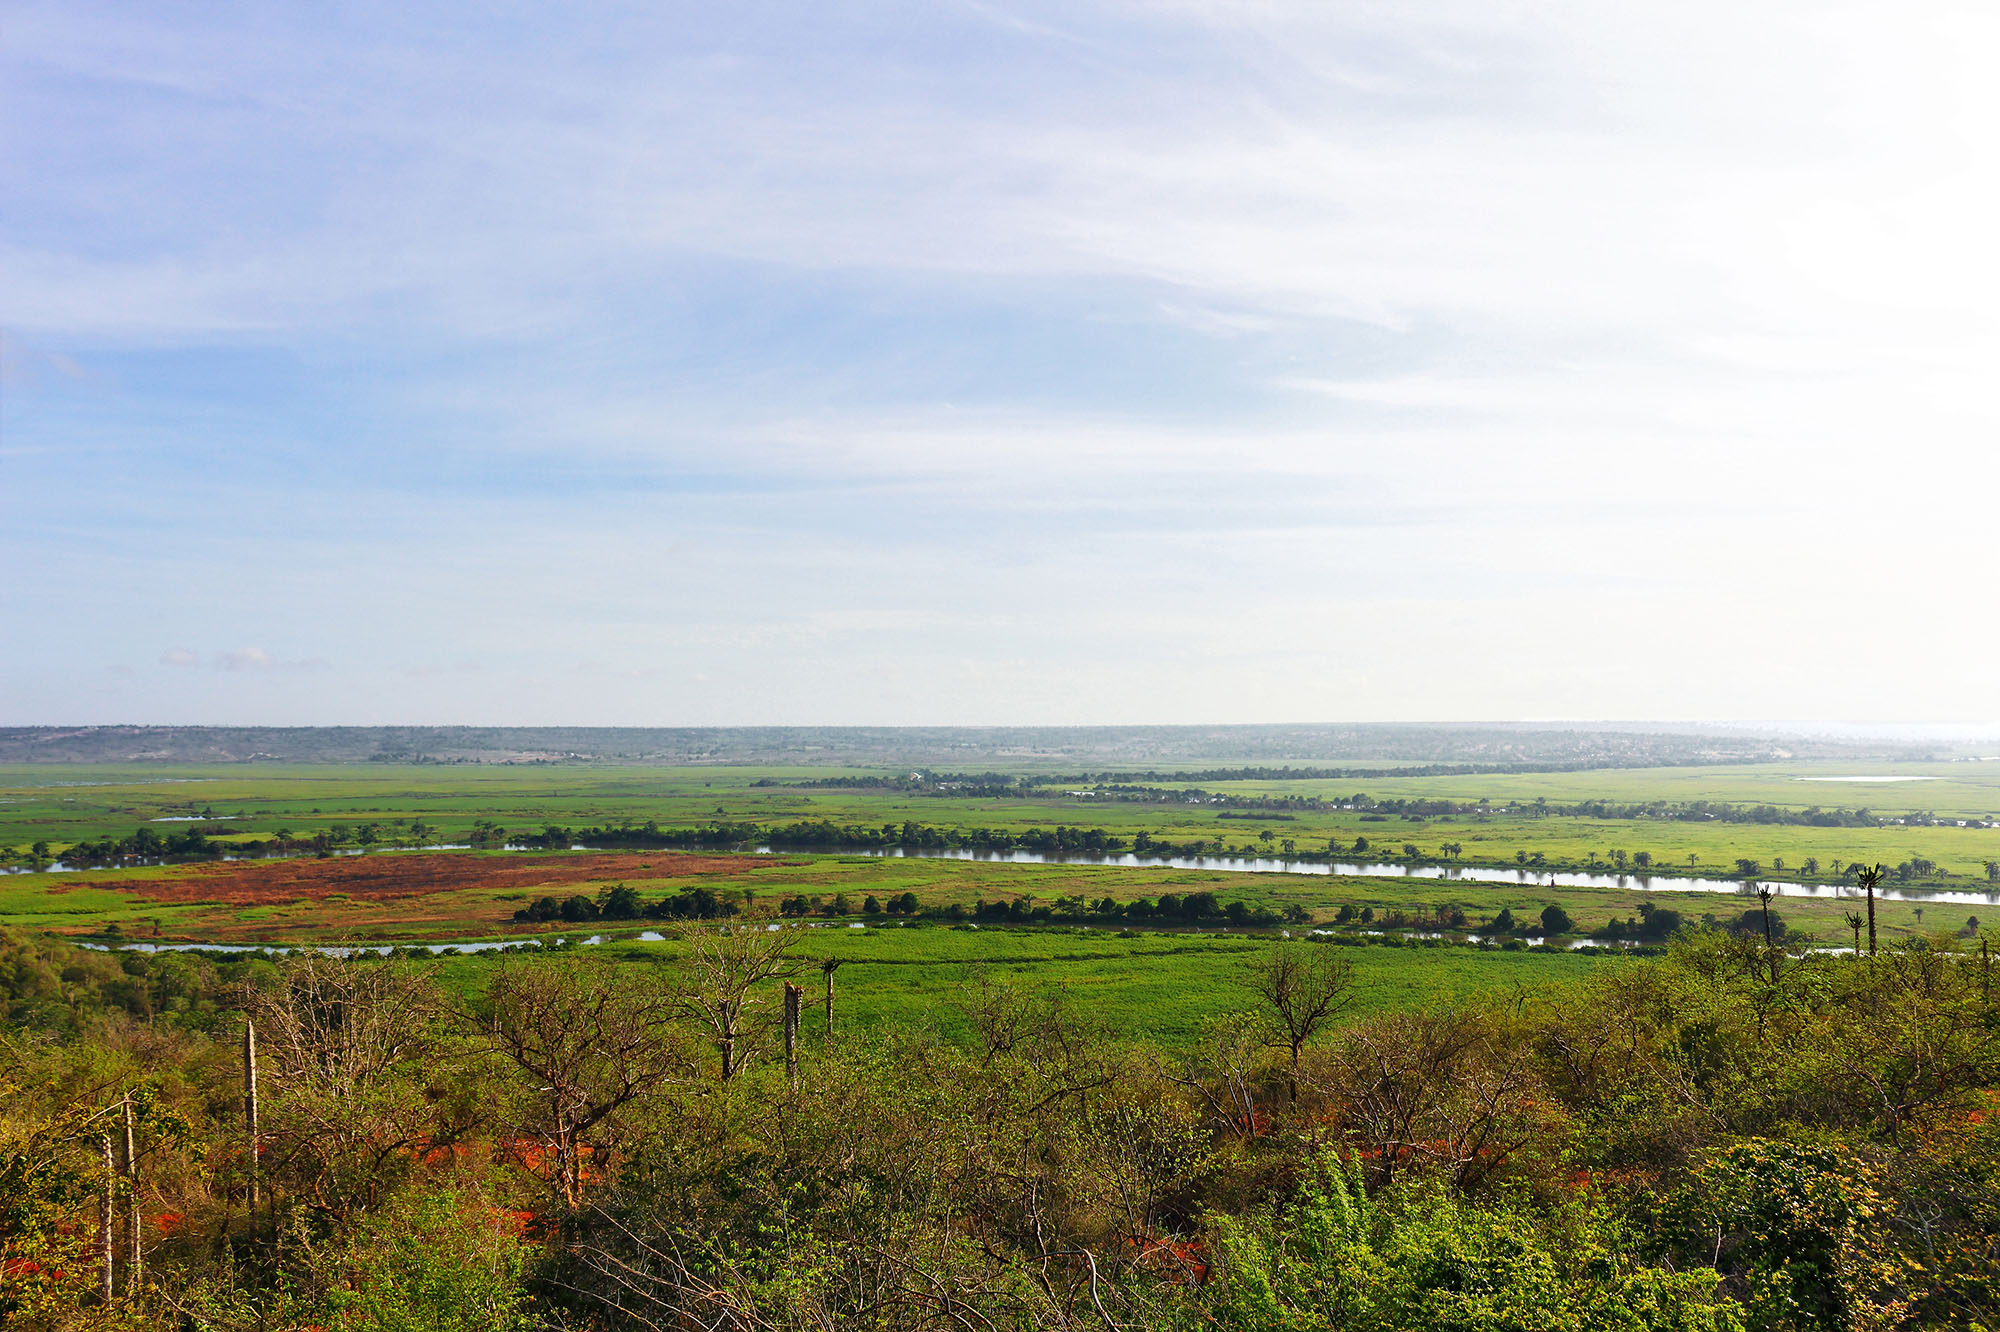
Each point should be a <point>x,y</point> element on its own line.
<point>997,363</point>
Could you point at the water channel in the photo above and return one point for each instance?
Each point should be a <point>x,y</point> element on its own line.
<point>1527,877</point>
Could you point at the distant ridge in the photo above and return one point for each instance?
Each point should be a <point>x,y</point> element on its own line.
<point>1567,745</point>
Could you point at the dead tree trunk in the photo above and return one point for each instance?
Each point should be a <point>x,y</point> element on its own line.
<point>106,1248</point>
<point>135,1260</point>
<point>794,1004</point>
<point>250,1110</point>
<point>827,968</point>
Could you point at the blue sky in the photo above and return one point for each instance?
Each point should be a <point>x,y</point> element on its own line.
<point>981,363</point>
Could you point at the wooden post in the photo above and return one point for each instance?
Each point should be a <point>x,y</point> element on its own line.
<point>106,1249</point>
<point>250,1109</point>
<point>794,1002</point>
<point>135,1258</point>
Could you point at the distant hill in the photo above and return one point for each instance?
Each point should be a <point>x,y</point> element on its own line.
<point>1515,746</point>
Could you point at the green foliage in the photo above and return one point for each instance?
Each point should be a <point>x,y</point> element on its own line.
<point>1793,1228</point>
<point>1422,1259</point>
<point>447,1260</point>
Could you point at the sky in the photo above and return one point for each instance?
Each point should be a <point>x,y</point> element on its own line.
<point>968,362</point>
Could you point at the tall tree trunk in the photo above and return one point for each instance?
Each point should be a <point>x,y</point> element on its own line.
<point>794,1002</point>
<point>106,1248</point>
<point>250,1111</point>
<point>135,1261</point>
<point>828,967</point>
<point>1871,920</point>
<point>727,1022</point>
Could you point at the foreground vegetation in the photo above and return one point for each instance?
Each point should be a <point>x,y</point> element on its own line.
<point>1722,1137</point>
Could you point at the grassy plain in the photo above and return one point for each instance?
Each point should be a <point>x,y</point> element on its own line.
<point>64,804</point>
<point>1149,986</point>
<point>401,896</point>
<point>447,896</point>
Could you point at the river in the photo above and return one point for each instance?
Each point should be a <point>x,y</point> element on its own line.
<point>1526,877</point>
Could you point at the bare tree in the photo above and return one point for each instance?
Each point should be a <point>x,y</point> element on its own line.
<point>593,1038</point>
<point>1440,1089</point>
<point>1304,988</point>
<point>723,969</point>
<point>347,1045</point>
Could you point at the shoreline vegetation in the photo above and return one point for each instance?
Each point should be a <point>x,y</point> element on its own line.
<point>145,847</point>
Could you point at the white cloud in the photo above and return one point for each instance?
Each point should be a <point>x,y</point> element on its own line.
<point>1547,358</point>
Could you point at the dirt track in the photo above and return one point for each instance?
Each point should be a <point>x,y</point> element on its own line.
<point>387,877</point>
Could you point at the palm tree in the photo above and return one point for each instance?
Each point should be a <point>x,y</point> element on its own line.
<point>1868,876</point>
<point>1854,923</point>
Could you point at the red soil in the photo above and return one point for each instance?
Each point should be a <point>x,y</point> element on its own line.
<point>385,877</point>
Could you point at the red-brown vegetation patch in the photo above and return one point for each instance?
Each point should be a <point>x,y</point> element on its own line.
<point>252,883</point>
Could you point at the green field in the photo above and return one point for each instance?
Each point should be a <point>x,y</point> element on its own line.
<point>1161,987</point>
<point>61,804</point>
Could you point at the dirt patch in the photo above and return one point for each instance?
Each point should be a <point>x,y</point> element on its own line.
<point>384,877</point>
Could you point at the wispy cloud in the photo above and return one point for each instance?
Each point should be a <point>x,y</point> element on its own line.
<point>238,659</point>
<point>359,334</point>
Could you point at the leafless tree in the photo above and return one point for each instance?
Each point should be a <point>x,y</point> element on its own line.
<point>593,1038</point>
<point>724,970</point>
<point>1304,987</point>
<point>1440,1088</point>
<point>343,1046</point>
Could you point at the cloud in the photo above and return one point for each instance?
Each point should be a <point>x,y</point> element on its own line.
<point>239,659</point>
<point>1052,347</point>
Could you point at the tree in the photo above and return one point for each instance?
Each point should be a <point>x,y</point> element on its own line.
<point>593,1038</point>
<point>1870,877</point>
<point>346,1045</point>
<point>621,903</point>
<point>1556,921</point>
<point>1303,987</point>
<point>1854,923</point>
<point>723,970</point>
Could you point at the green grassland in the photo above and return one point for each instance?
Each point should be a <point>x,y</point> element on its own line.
<point>61,805</point>
<point>1157,987</point>
<point>64,804</point>
<point>141,905</point>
